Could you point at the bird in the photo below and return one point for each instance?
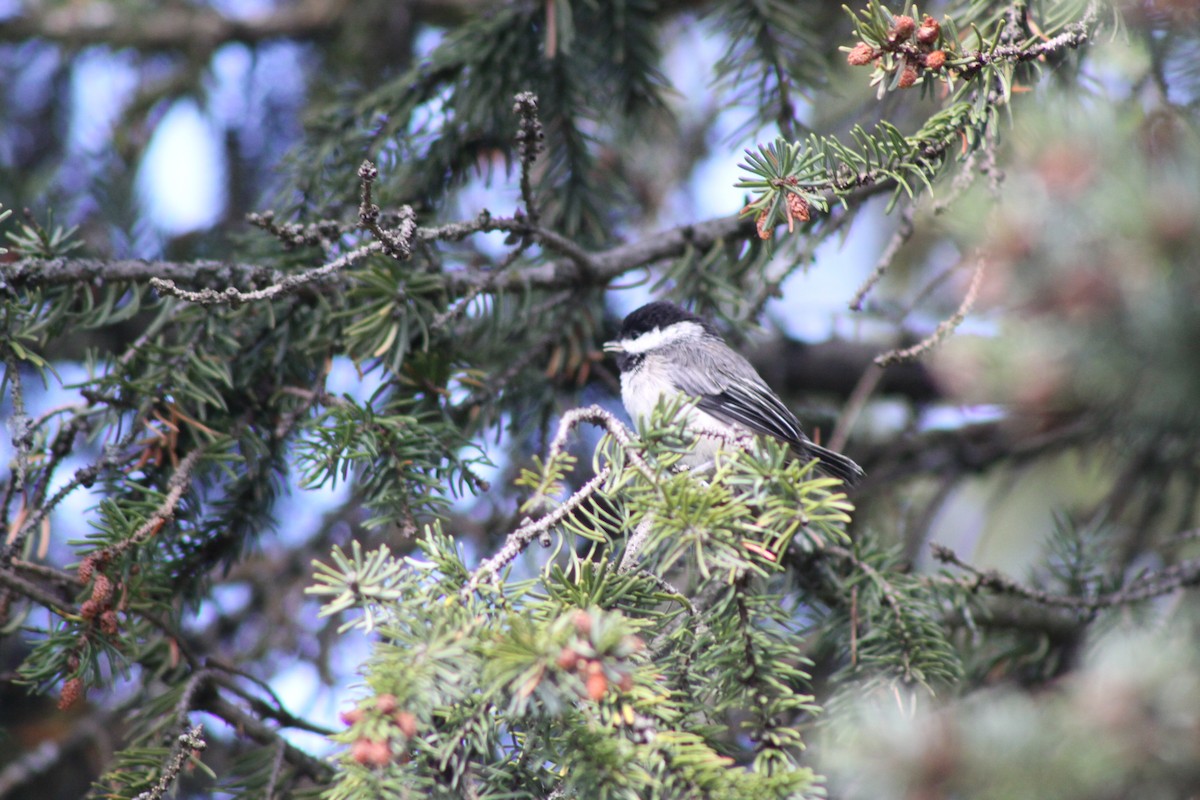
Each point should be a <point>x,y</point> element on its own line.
<point>664,351</point>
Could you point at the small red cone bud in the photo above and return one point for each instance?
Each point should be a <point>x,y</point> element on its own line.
<point>567,659</point>
<point>370,752</point>
<point>351,717</point>
<point>626,682</point>
<point>72,693</point>
<point>385,703</point>
<point>87,568</point>
<point>765,231</point>
<point>102,589</point>
<point>109,623</point>
<point>583,623</point>
<point>90,609</point>
<point>597,685</point>
<point>903,27</point>
<point>406,721</point>
<point>861,55</point>
<point>929,31</point>
<point>935,60</point>
<point>908,77</point>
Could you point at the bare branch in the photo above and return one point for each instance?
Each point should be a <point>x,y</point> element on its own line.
<point>185,747</point>
<point>289,283</point>
<point>943,330</point>
<point>560,274</point>
<point>529,143</point>
<point>1152,583</point>
<point>519,539</point>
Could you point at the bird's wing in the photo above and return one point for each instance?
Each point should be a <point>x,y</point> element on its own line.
<point>730,390</point>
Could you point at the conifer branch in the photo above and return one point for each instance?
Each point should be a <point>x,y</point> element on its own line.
<point>291,283</point>
<point>1150,584</point>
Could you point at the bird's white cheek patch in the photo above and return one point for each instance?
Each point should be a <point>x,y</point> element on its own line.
<point>662,336</point>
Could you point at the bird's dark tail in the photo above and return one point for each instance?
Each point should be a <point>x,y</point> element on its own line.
<point>834,464</point>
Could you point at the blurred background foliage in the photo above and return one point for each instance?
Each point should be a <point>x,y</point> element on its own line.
<point>1053,435</point>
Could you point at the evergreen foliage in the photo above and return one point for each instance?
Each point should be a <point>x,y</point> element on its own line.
<point>551,606</point>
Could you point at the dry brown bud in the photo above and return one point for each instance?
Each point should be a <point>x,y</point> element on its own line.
<point>861,55</point>
<point>109,623</point>
<point>626,682</point>
<point>797,208</point>
<point>903,27</point>
<point>385,703</point>
<point>929,31</point>
<point>406,721</point>
<point>908,77</point>
<point>371,752</point>
<point>72,693</point>
<point>935,60</point>
<point>597,685</point>
<point>567,659</point>
<point>765,231</point>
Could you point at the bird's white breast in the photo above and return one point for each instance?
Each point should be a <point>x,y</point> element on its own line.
<point>644,386</point>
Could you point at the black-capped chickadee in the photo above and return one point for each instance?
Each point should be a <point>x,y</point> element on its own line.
<point>664,351</point>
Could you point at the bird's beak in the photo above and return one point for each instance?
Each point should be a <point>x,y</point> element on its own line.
<point>614,347</point>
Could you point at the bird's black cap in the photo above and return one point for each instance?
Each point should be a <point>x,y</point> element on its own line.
<point>659,314</point>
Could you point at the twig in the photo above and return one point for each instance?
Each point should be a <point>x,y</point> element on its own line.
<point>944,328</point>
<point>276,770</point>
<point>529,144</point>
<point>185,747</point>
<point>901,235</point>
<point>863,389</point>
<point>1148,585</point>
<point>151,330</point>
<point>250,725</point>
<point>397,244</point>
<point>634,546</point>
<point>289,283</point>
<point>518,540</point>
<point>278,712</point>
<point>59,605</point>
<point>853,626</point>
<point>177,485</point>
<point>615,428</point>
<point>187,697</point>
<point>18,423</point>
<point>83,476</point>
<point>1073,36</point>
<point>890,596</point>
